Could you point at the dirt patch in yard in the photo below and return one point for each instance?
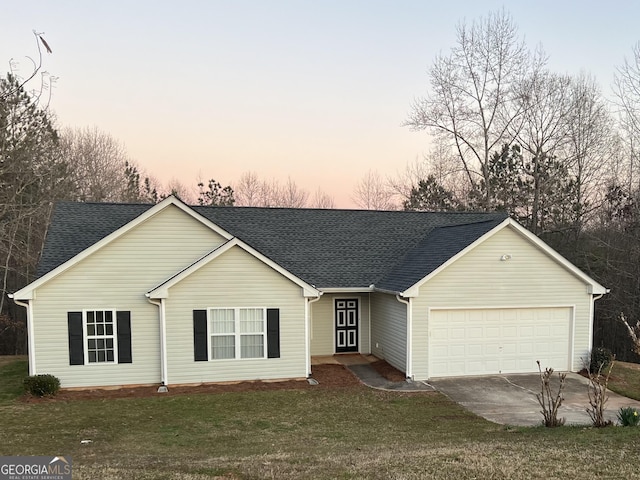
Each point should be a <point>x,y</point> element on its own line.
<point>328,376</point>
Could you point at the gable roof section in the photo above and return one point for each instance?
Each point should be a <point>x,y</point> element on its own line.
<point>421,253</point>
<point>79,229</point>
<point>434,250</point>
<point>162,290</point>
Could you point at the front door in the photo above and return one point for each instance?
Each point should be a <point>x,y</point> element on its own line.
<point>346,325</point>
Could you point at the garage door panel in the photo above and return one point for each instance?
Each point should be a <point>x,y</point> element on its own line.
<point>543,331</point>
<point>525,348</point>
<point>526,331</point>
<point>490,332</point>
<point>458,350</point>
<point>475,349</point>
<point>510,331</point>
<point>492,341</point>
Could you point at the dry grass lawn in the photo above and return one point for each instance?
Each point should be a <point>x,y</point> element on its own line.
<point>346,433</point>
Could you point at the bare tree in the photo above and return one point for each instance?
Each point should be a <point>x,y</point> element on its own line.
<point>590,146</point>
<point>440,163</point>
<point>97,162</point>
<point>289,195</point>
<point>544,100</point>
<point>470,100</point>
<point>41,92</point>
<point>626,89</point>
<point>249,190</point>
<point>180,190</point>
<point>373,193</point>
<point>322,200</point>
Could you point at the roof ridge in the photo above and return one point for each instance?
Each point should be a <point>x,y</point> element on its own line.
<point>472,222</point>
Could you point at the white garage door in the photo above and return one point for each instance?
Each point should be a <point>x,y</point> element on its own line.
<point>494,341</point>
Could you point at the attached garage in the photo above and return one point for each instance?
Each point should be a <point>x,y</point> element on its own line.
<point>499,340</point>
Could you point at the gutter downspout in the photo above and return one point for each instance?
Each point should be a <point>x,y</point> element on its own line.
<point>31,339</point>
<point>407,302</point>
<point>163,340</point>
<point>593,306</point>
<point>307,330</point>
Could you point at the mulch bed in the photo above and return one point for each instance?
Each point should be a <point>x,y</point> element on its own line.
<point>328,376</point>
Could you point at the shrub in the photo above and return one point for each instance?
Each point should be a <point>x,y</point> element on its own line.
<point>601,357</point>
<point>628,417</point>
<point>599,395</point>
<point>41,385</point>
<point>548,400</point>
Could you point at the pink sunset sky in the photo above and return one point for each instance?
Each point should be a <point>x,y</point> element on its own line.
<point>312,90</point>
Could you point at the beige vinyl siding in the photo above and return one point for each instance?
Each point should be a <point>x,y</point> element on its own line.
<point>323,324</point>
<point>480,280</point>
<point>234,279</point>
<point>365,324</point>
<point>117,277</point>
<point>389,330</point>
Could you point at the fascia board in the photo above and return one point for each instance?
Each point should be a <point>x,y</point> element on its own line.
<point>348,289</point>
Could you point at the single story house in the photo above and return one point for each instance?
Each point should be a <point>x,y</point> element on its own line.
<point>131,294</point>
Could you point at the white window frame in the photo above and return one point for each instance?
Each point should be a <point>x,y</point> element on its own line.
<point>237,334</point>
<point>86,337</point>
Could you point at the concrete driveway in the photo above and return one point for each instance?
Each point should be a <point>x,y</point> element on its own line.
<point>511,399</point>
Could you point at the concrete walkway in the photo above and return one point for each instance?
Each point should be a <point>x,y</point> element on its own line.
<point>370,377</point>
<point>360,366</point>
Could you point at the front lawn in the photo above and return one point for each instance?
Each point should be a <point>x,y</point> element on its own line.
<point>349,432</point>
<point>625,379</point>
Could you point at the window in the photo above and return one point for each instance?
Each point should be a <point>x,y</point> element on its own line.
<point>237,332</point>
<point>99,336</point>
<point>232,333</point>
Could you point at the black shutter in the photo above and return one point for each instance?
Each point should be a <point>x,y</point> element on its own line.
<point>200,343</point>
<point>76,342</point>
<point>124,337</point>
<point>273,333</point>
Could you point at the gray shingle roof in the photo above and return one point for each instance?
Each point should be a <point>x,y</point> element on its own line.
<point>325,248</point>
